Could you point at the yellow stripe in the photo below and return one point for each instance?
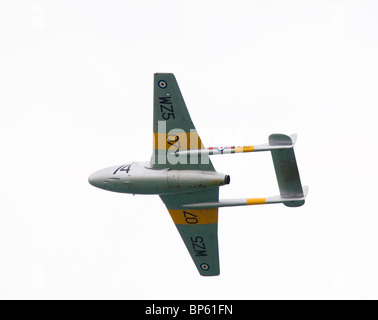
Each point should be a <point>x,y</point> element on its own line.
<point>248,149</point>
<point>256,201</point>
<point>179,140</point>
<point>244,149</point>
<point>193,217</point>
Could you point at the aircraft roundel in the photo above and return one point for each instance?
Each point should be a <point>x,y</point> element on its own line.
<point>204,266</point>
<point>162,84</point>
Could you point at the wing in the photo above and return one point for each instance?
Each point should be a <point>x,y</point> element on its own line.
<point>198,228</point>
<point>173,129</point>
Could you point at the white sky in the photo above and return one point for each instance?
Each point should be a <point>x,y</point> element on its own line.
<point>76,96</point>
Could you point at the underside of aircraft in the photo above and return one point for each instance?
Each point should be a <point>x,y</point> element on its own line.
<point>181,173</point>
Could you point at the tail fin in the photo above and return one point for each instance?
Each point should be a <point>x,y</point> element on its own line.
<point>286,169</point>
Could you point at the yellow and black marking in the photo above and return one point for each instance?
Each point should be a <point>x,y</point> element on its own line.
<point>245,149</point>
<point>194,217</point>
<point>177,141</point>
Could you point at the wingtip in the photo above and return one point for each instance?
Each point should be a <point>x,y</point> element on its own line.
<point>293,138</point>
<point>305,191</point>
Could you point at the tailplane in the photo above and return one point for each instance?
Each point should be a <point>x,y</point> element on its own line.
<point>292,194</point>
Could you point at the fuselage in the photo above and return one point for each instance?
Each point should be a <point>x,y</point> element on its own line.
<point>141,178</point>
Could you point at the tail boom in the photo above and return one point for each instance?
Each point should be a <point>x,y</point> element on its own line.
<point>288,201</point>
<point>272,145</point>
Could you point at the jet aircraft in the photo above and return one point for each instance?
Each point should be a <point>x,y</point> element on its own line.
<point>181,173</point>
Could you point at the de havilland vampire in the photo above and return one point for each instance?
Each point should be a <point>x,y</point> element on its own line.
<point>181,173</point>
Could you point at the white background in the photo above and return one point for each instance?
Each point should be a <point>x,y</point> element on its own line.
<point>76,85</point>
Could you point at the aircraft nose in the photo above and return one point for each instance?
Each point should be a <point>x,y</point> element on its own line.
<point>103,178</point>
<point>92,179</point>
<point>95,179</point>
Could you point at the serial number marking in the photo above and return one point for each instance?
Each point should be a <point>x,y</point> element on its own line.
<point>199,247</point>
<point>166,108</point>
